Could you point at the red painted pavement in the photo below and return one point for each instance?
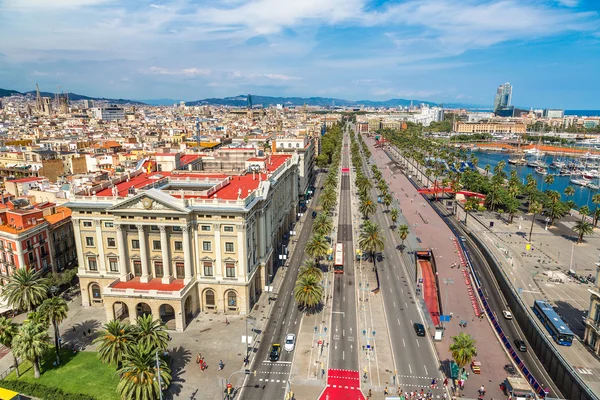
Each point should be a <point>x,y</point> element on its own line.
<point>430,292</point>
<point>342,384</point>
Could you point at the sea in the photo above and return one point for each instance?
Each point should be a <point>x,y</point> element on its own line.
<point>583,195</point>
<point>583,113</point>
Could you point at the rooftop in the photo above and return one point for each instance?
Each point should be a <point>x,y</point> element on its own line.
<point>153,284</point>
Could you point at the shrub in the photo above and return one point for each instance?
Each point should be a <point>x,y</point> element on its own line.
<point>42,391</point>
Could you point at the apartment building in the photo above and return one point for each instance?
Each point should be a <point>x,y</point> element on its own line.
<point>173,244</point>
<point>30,235</point>
<point>305,148</point>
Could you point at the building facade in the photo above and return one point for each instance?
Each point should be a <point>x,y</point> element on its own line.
<point>111,113</point>
<point>503,96</point>
<point>592,322</point>
<point>489,127</point>
<point>173,244</point>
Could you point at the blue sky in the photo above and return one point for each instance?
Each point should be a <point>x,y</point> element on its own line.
<point>436,50</point>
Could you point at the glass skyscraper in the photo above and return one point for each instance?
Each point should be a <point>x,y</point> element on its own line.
<point>503,97</point>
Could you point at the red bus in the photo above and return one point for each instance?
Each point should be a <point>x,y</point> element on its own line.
<point>338,264</point>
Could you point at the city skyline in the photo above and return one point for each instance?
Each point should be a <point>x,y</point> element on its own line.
<point>445,51</point>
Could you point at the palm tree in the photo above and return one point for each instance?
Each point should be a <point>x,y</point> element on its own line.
<point>367,207</point>
<point>511,206</point>
<point>25,290</point>
<point>583,228</point>
<point>328,200</point>
<point>323,224</point>
<point>387,200</point>
<point>471,204</point>
<point>317,247</point>
<point>8,331</point>
<point>31,343</point>
<point>403,232</point>
<point>363,183</point>
<point>536,208</point>
<point>371,239</point>
<point>549,180</point>
<point>310,268</point>
<point>487,169</point>
<point>596,201</point>
<point>115,341</point>
<point>139,375</point>
<point>394,215</point>
<point>151,332</point>
<point>569,191</point>
<point>308,291</point>
<point>55,311</point>
<point>584,211</point>
<point>463,349</point>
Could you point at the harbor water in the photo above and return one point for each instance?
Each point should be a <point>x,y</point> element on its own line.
<point>582,196</point>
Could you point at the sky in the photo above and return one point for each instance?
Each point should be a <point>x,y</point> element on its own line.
<point>447,51</point>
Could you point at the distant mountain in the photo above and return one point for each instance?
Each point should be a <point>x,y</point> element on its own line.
<point>72,96</point>
<point>8,92</point>
<point>241,101</point>
<point>160,102</point>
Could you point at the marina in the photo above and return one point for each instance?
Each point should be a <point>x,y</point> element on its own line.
<point>581,173</point>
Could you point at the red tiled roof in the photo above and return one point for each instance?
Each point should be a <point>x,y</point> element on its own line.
<point>23,180</point>
<point>247,182</point>
<point>154,284</point>
<point>189,158</point>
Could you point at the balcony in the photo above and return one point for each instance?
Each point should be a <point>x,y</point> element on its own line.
<point>175,290</point>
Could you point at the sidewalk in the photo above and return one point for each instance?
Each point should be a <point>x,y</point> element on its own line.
<point>431,232</point>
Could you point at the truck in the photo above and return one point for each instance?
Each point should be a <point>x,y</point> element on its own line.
<point>518,389</point>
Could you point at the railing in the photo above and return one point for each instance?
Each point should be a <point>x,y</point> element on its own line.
<point>174,294</point>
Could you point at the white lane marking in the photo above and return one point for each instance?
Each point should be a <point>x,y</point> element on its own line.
<point>343,355</point>
<point>426,373</point>
<point>402,291</point>
<point>406,304</point>
<point>418,345</point>
<point>398,321</point>
<point>394,304</point>
<point>403,343</point>
<point>409,368</point>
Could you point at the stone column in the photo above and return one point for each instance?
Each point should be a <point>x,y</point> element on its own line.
<point>143,254</point>
<point>78,247</point>
<point>241,251</point>
<point>122,243</point>
<point>218,267</point>
<point>187,254</point>
<point>166,259</point>
<point>100,247</point>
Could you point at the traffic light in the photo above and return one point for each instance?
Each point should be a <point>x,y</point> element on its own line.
<point>229,388</point>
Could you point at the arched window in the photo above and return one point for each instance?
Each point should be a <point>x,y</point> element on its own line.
<point>210,298</point>
<point>231,299</point>
<point>96,291</point>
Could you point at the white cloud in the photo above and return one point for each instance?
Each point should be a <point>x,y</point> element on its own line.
<point>568,3</point>
<point>154,70</point>
<point>49,4</point>
<point>195,72</point>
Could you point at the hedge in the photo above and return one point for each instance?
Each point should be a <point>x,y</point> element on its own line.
<point>42,391</point>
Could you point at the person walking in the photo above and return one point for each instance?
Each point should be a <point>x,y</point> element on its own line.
<point>385,391</point>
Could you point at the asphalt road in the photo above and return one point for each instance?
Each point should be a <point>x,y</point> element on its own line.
<point>498,304</point>
<point>343,347</point>
<point>416,362</point>
<point>271,377</point>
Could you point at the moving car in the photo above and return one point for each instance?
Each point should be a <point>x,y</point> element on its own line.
<point>290,342</point>
<point>275,352</point>
<point>419,329</point>
<point>520,345</point>
<point>507,314</point>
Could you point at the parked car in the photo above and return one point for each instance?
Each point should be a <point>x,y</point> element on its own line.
<point>275,352</point>
<point>507,314</point>
<point>419,329</point>
<point>520,345</point>
<point>290,342</point>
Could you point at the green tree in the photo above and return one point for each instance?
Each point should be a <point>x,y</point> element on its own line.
<point>328,200</point>
<point>549,180</point>
<point>367,207</point>
<point>584,211</point>
<point>403,231</point>
<point>8,331</point>
<point>387,200</point>
<point>371,239</point>
<point>487,169</point>
<point>471,204</point>
<point>115,341</point>
<point>317,247</point>
<point>151,332</point>
<point>596,201</point>
<point>55,310</point>
<point>311,269</point>
<point>25,290</point>
<point>308,291</point>
<point>394,213</point>
<point>363,183</point>
<point>139,375</point>
<point>511,206</point>
<point>569,191</point>
<point>583,228</point>
<point>322,161</point>
<point>463,349</point>
<point>534,208</point>
<point>323,224</point>
<point>31,343</point>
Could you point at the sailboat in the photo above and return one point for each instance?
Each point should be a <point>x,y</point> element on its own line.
<point>518,158</point>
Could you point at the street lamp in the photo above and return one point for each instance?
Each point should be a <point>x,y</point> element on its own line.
<point>547,222</point>
<point>158,376</point>
<point>447,282</point>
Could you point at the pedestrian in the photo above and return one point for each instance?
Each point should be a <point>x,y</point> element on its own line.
<point>446,379</point>
<point>221,365</point>
<point>226,321</point>
<point>385,391</point>
<point>198,359</point>
<point>369,395</point>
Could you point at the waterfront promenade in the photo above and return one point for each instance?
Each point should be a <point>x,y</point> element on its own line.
<point>432,232</point>
<point>536,273</point>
